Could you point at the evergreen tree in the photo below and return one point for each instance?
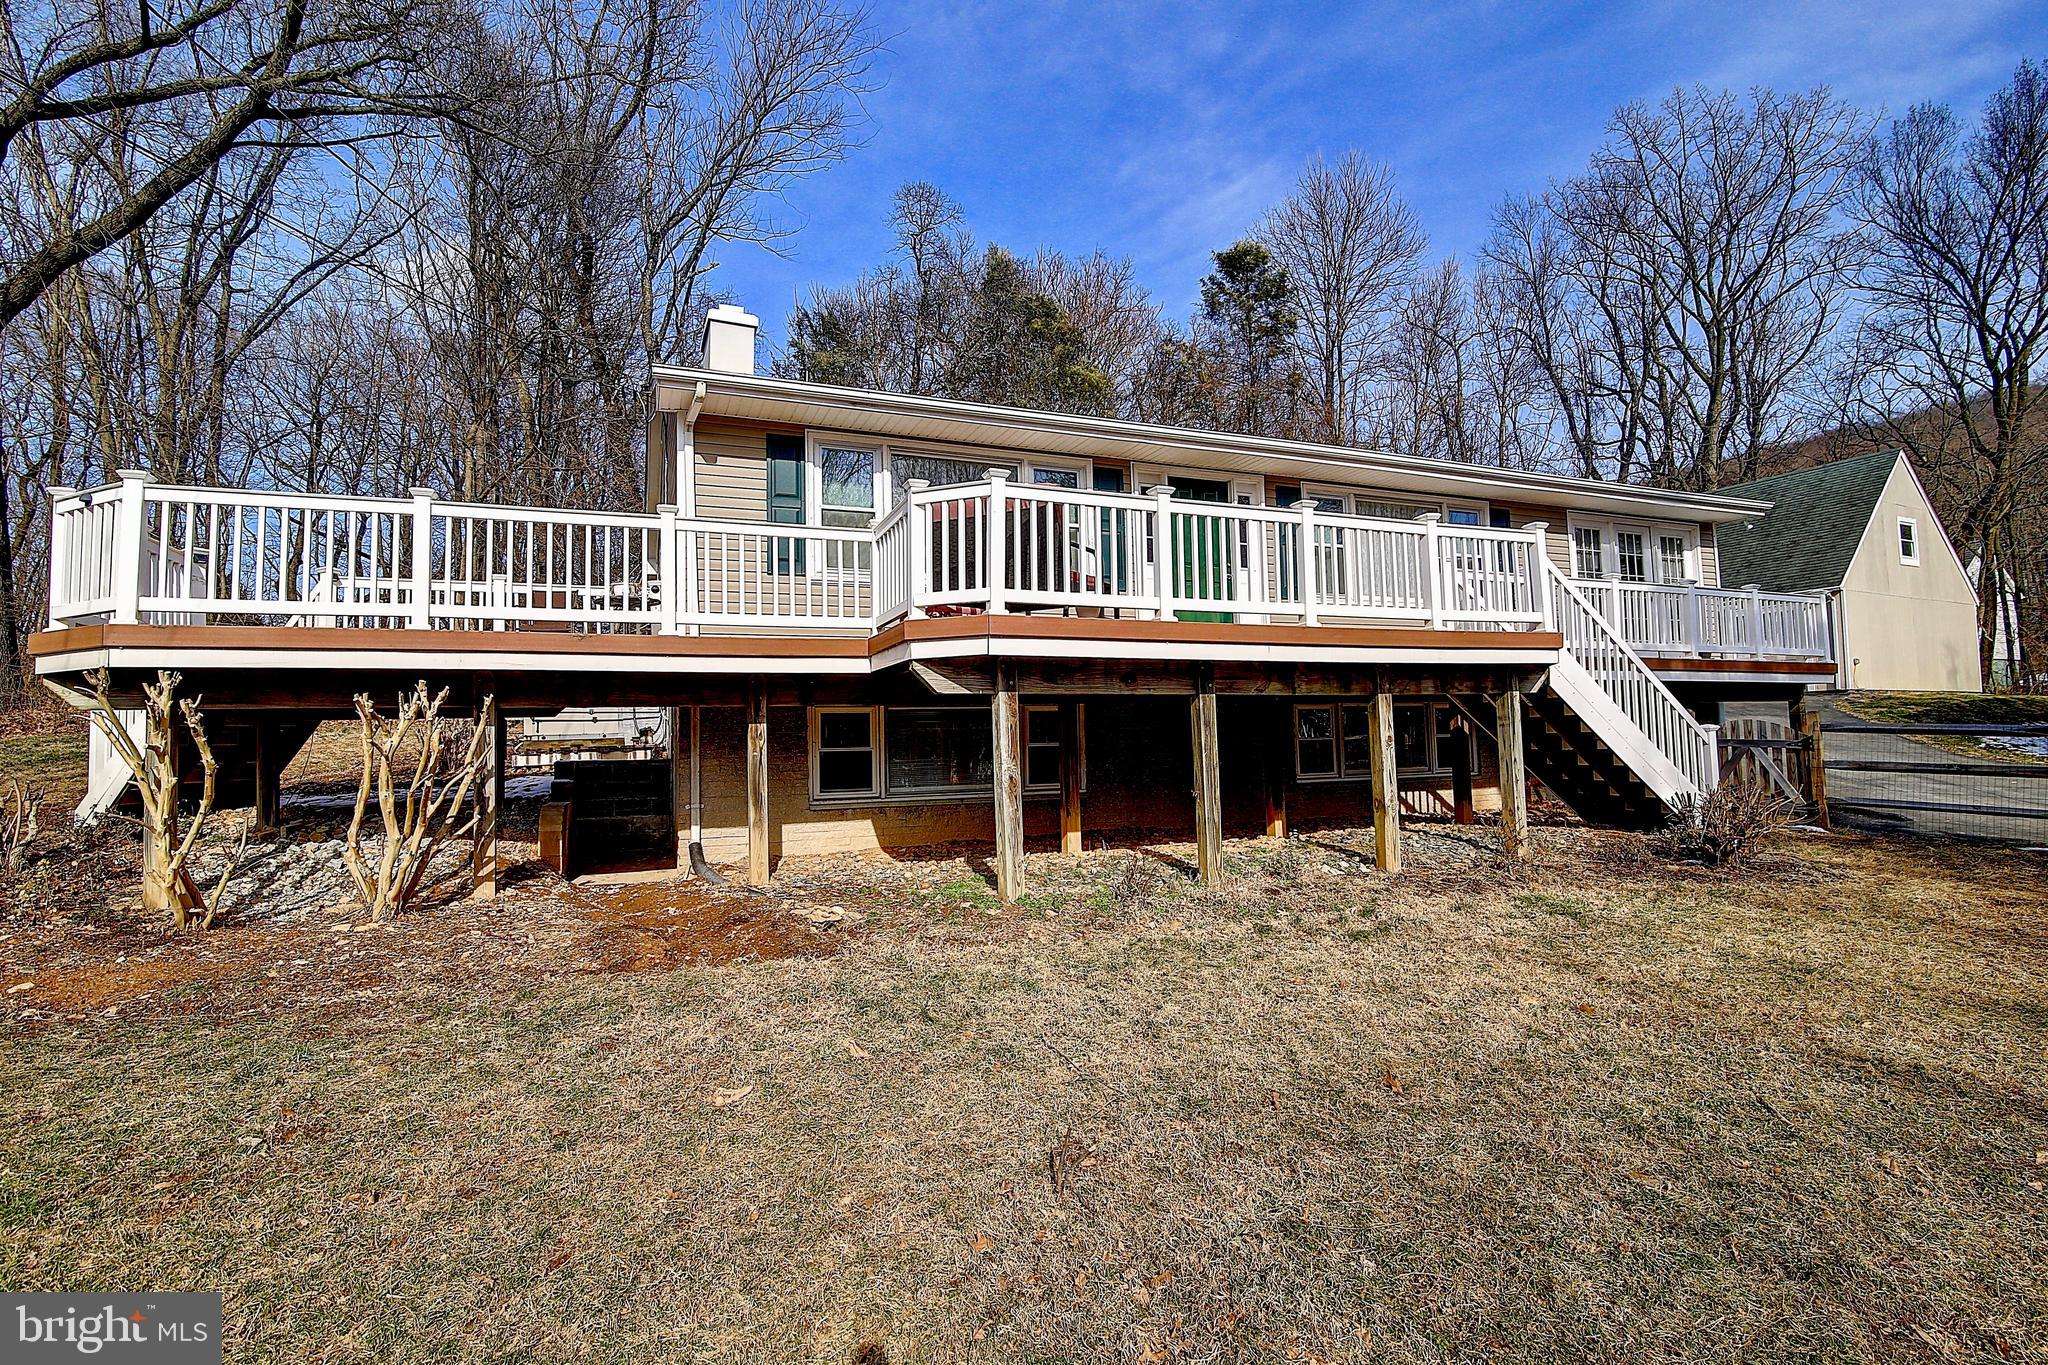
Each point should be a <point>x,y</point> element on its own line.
<point>1249,316</point>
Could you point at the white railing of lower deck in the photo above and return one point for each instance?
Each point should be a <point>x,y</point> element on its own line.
<point>1601,649</point>
<point>1670,619</point>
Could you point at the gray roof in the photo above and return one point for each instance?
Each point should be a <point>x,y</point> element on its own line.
<point>1816,521</point>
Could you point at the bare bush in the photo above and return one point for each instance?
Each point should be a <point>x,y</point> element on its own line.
<point>437,792</point>
<point>18,821</point>
<point>166,884</point>
<point>1726,826</point>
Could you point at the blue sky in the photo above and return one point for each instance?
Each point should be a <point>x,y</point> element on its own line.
<point>1161,131</point>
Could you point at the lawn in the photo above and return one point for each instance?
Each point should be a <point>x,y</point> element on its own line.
<point>1607,1108</point>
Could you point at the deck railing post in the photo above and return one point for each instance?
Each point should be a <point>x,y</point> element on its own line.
<point>1756,617</point>
<point>1434,574</point>
<point>669,535</point>
<point>1710,775</point>
<point>918,571</point>
<point>1305,572</point>
<point>130,532</point>
<point>1539,577</point>
<point>998,554</point>
<point>1694,624</point>
<point>421,616</point>
<point>1162,549</point>
<point>62,577</point>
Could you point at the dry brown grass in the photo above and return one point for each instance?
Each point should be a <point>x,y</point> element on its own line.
<point>1605,1108</point>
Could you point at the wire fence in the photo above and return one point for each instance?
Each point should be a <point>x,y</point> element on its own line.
<point>1976,781</point>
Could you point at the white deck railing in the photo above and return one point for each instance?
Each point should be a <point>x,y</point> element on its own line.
<point>137,551</point>
<point>1661,619</point>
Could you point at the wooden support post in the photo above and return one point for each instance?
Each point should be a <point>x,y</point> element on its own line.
<point>1386,792</point>
<point>1461,770</point>
<point>1514,782</point>
<point>1208,786</point>
<point>1278,763</point>
<point>490,796</point>
<point>1816,766</point>
<point>1070,777</point>
<point>266,765</point>
<point>757,783</point>
<point>1009,783</point>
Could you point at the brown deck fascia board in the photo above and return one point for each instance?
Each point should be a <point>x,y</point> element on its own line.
<point>1802,668</point>
<point>1109,634</point>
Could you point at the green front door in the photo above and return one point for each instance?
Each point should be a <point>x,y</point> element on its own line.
<point>1202,559</point>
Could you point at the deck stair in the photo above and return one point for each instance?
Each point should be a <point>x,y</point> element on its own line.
<point>233,739</point>
<point>1603,732</point>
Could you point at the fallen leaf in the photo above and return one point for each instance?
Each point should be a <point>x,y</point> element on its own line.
<point>1161,1280</point>
<point>1390,1080</point>
<point>721,1098</point>
<point>980,1243</point>
<point>853,1049</point>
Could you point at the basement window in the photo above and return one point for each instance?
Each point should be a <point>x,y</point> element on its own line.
<point>843,750</point>
<point>909,753</point>
<point>1332,742</point>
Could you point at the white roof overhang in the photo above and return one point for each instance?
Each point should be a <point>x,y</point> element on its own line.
<point>905,417</point>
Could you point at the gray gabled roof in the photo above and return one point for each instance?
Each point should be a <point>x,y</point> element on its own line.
<point>1816,521</point>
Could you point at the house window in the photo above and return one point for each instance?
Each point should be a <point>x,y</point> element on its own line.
<point>1671,558</point>
<point>845,751</point>
<point>940,471</point>
<point>1631,564</point>
<point>910,752</point>
<point>937,749</point>
<point>1464,516</point>
<point>1332,741</point>
<point>1588,557</point>
<point>1389,509</point>
<point>846,486</point>
<point>1042,747</point>
<point>1909,541</point>
<point>1635,552</point>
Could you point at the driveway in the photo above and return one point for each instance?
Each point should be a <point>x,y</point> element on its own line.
<point>2025,789</point>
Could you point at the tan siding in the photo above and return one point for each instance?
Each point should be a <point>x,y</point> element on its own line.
<point>1710,557</point>
<point>731,472</point>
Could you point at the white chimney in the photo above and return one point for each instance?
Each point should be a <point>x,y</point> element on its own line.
<point>729,339</point>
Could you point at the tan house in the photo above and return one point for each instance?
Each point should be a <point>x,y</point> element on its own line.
<point>1863,532</point>
<point>884,621</point>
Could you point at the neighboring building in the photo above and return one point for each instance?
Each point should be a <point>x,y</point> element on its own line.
<point>886,621</point>
<point>1863,531</point>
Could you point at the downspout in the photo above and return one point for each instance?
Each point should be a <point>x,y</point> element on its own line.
<point>1838,634</point>
<point>683,476</point>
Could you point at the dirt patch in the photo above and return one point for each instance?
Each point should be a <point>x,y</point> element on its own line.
<point>94,986</point>
<point>663,925</point>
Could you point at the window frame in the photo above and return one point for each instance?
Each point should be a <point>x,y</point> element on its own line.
<point>1610,550</point>
<point>1023,465</point>
<point>1433,741</point>
<point>1907,528</point>
<point>879,792</point>
<point>814,745</point>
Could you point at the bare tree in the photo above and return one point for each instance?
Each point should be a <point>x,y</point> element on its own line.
<point>204,78</point>
<point>1678,296</point>
<point>167,885</point>
<point>428,810</point>
<point>1948,356</point>
<point>1348,243</point>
